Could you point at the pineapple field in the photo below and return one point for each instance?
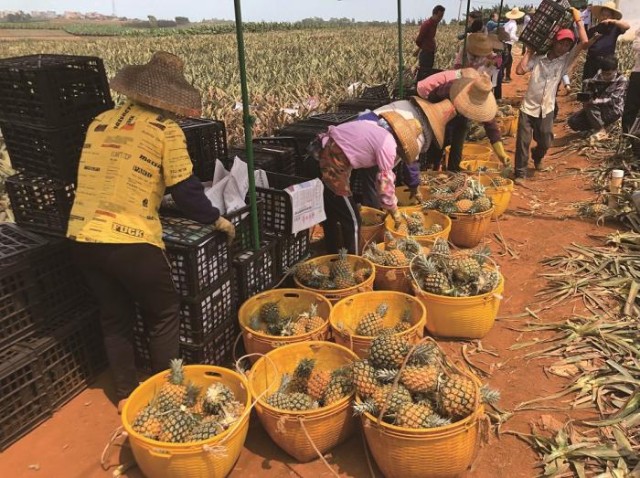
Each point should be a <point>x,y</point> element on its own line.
<point>550,388</point>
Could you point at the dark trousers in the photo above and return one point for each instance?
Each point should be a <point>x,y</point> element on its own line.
<point>497,90</point>
<point>370,196</point>
<point>121,275</point>
<point>591,67</point>
<point>541,130</point>
<point>426,61</point>
<point>455,134</point>
<point>343,218</point>
<point>631,102</point>
<point>591,118</point>
<point>508,61</point>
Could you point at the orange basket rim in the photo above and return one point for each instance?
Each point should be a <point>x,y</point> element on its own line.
<point>477,214</point>
<point>328,257</point>
<point>480,296</point>
<point>186,446</point>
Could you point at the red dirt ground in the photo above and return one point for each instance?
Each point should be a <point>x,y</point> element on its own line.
<point>70,444</point>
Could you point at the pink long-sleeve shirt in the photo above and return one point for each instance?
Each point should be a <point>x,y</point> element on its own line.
<point>365,144</point>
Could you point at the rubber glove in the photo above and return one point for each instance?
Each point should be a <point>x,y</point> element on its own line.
<point>415,194</point>
<point>498,147</point>
<point>397,217</point>
<point>576,14</point>
<point>223,225</point>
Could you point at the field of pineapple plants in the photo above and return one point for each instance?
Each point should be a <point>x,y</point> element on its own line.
<point>562,356</point>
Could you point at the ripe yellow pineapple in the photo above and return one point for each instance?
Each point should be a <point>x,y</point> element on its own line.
<point>413,415</point>
<point>304,272</point>
<point>314,321</point>
<point>340,385</point>
<point>301,376</point>
<point>318,383</point>
<point>173,391</point>
<point>420,378</point>
<point>364,378</point>
<point>388,351</point>
<point>456,396</point>
<point>372,322</point>
<point>464,205</point>
<point>392,398</point>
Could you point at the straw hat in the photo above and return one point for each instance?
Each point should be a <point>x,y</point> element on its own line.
<point>596,10</point>
<point>473,98</point>
<point>478,44</point>
<point>406,133</point>
<point>496,43</point>
<point>438,115</point>
<point>514,14</point>
<point>160,83</point>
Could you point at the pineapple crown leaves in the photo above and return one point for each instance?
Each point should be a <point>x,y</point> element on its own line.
<point>176,376</point>
<point>284,383</point>
<point>406,316</point>
<point>489,395</point>
<point>255,323</point>
<point>424,354</point>
<point>193,391</point>
<point>342,253</point>
<point>366,406</point>
<point>313,310</point>
<point>435,421</point>
<point>481,254</point>
<point>218,393</point>
<point>382,309</point>
<point>304,368</point>
<point>387,375</point>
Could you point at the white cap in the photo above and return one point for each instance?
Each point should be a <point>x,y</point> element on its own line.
<point>617,173</point>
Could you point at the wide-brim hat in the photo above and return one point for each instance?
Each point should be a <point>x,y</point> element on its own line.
<point>438,115</point>
<point>596,10</point>
<point>496,43</point>
<point>473,98</point>
<point>514,14</point>
<point>478,44</point>
<point>406,133</point>
<point>159,83</point>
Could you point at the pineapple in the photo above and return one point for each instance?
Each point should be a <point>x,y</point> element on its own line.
<point>147,423</point>
<point>464,268</point>
<point>415,224</point>
<point>301,376</point>
<point>216,396</point>
<point>173,391</point>
<point>207,428</point>
<point>466,194</point>
<point>314,321</point>
<point>441,247</point>
<point>392,398</point>
<point>318,383</point>
<point>364,377</point>
<point>429,204</point>
<point>279,400</point>
<point>343,271</point>
<point>464,205</point>
<point>191,397</point>
<point>404,323</point>
<point>488,281</point>
<point>371,324</point>
<point>177,425</point>
<point>499,181</point>
<point>301,325</point>
<point>340,386</point>
<point>410,247</point>
<point>433,229</point>
<point>300,402</point>
<point>413,415</point>
<point>420,378</point>
<point>433,280</point>
<point>481,204</point>
<point>361,275</point>
<point>304,272</point>
<point>394,257</point>
<point>447,207</point>
<point>270,312</point>
<point>388,351</point>
<point>456,396</point>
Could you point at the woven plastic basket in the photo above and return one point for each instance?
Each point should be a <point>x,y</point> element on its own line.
<point>394,278</point>
<point>290,302</point>
<point>508,125</point>
<point>429,218</point>
<point>461,317</point>
<point>335,295</point>
<point>194,459</point>
<point>471,152</point>
<point>500,195</point>
<point>402,193</point>
<point>372,233</point>
<point>346,314</point>
<point>298,432</point>
<point>467,230</point>
<point>473,165</point>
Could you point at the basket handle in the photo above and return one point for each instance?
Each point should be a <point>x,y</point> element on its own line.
<point>158,453</point>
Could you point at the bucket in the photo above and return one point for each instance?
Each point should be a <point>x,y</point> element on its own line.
<point>193,459</point>
<point>467,230</point>
<point>291,302</point>
<point>471,152</point>
<point>500,195</point>
<point>429,218</point>
<point>394,278</point>
<point>347,313</point>
<point>472,166</point>
<point>375,232</point>
<point>297,432</point>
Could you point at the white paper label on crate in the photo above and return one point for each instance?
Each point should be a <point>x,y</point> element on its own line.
<point>262,181</point>
<point>307,204</point>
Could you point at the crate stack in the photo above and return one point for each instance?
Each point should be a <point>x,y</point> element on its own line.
<point>46,105</point>
<point>549,18</point>
<point>371,98</point>
<point>50,342</point>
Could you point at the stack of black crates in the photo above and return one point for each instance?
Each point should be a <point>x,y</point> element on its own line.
<point>50,342</point>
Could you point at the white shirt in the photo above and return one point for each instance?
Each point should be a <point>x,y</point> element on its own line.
<point>511,27</point>
<point>586,17</point>
<point>407,110</point>
<point>636,51</point>
<point>540,98</point>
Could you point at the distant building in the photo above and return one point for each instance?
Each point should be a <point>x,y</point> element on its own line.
<point>72,15</point>
<point>43,15</point>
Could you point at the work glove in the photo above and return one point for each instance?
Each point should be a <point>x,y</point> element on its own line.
<point>415,194</point>
<point>397,217</point>
<point>576,14</point>
<point>223,225</point>
<point>498,148</point>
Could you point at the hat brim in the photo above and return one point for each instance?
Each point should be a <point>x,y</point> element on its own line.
<point>596,10</point>
<point>404,134</point>
<point>514,16</point>
<point>472,108</point>
<point>480,50</point>
<point>435,115</point>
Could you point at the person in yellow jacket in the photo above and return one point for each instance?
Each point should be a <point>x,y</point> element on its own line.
<point>131,155</point>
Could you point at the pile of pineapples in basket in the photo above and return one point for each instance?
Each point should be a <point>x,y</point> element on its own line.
<point>460,195</point>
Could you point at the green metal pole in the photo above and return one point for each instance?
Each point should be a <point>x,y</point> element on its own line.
<point>500,12</point>
<point>248,121</point>
<point>400,59</point>
<point>465,60</point>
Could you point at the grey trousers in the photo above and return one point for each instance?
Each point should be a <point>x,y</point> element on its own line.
<point>541,130</point>
<point>591,118</point>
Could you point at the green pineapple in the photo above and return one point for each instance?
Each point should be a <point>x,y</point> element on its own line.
<point>392,397</point>
<point>441,248</point>
<point>304,272</point>
<point>173,391</point>
<point>207,428</point>
<point>433,281</point>
<point>177,425</point>
<point>216,396</point>
<point>388,351</point>
<point>301,402</point>
<point>270,313</point>
<point>340,385</point>
<point>147,422</point>
<point>482,204</point>
<point>415,224</point>
<point>464,268</point>
<point>364,378</point>
<point>371,324</point>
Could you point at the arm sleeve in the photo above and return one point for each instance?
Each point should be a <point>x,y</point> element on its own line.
<point>426,86</point>
<point>176,164</point>
<point>493,131</point>
<point>386,178</point>
<point>571,58</point>
<point>422,33</point>
<point>189,197</point>
<point>412,174</point>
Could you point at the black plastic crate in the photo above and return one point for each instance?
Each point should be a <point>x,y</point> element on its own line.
<point>278,212</point>
<point>216,349</point>
<point>378,92</point>
<point>40,204</point>
<point>269,158</point>
<point>241,219</point>
<point>199,256</point>
<point>52,90</point>
<point>550,17</point>
<point>287,143</point>
<point>71,351</point>
<point>18,297</point>
<point>16,242</point>
<point>357,105</point>
<point>334,119</point>
<point>206,142</point>
<point>52,152</point>
<point>200,316</point>
<point>304,132</point>
<point>23,388</point>
<point>292,249</point>
<point>256,271</point>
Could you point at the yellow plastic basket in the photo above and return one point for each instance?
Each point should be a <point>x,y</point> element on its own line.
<point>507,125</point>
<point>335,295</point>
<point>461,317</point>
<point>297,432</point>
<point>195,459</point>
<point>291,302</point>
<point>471,166</point>
<point>429,218</point>
<point>346,314</point>
<point>467,230</point>
<point>374,233</point>
<point>471,152</point>
<point>394,278</point>
<point>500,195</point>
<point>403,193</point>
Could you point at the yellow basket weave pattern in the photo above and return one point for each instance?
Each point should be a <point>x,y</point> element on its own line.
<point>429,218</point>
<point>396,278</point>
<point>291,302</point>
<point>500,195</point>
<point>347,313</point>
<point>195,459</point>
<point>326,427</point>
<point>467,230</point>
<point>373,233</point>
<point>471,152</point>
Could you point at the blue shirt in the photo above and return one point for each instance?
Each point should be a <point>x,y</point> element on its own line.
<point>606,45</point>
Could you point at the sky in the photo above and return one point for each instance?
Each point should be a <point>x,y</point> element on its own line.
<point>258,10</point>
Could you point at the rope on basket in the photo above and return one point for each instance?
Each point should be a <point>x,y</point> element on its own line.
<point>315,448</point>
<point>366,452</point>
<point>120,469</point>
